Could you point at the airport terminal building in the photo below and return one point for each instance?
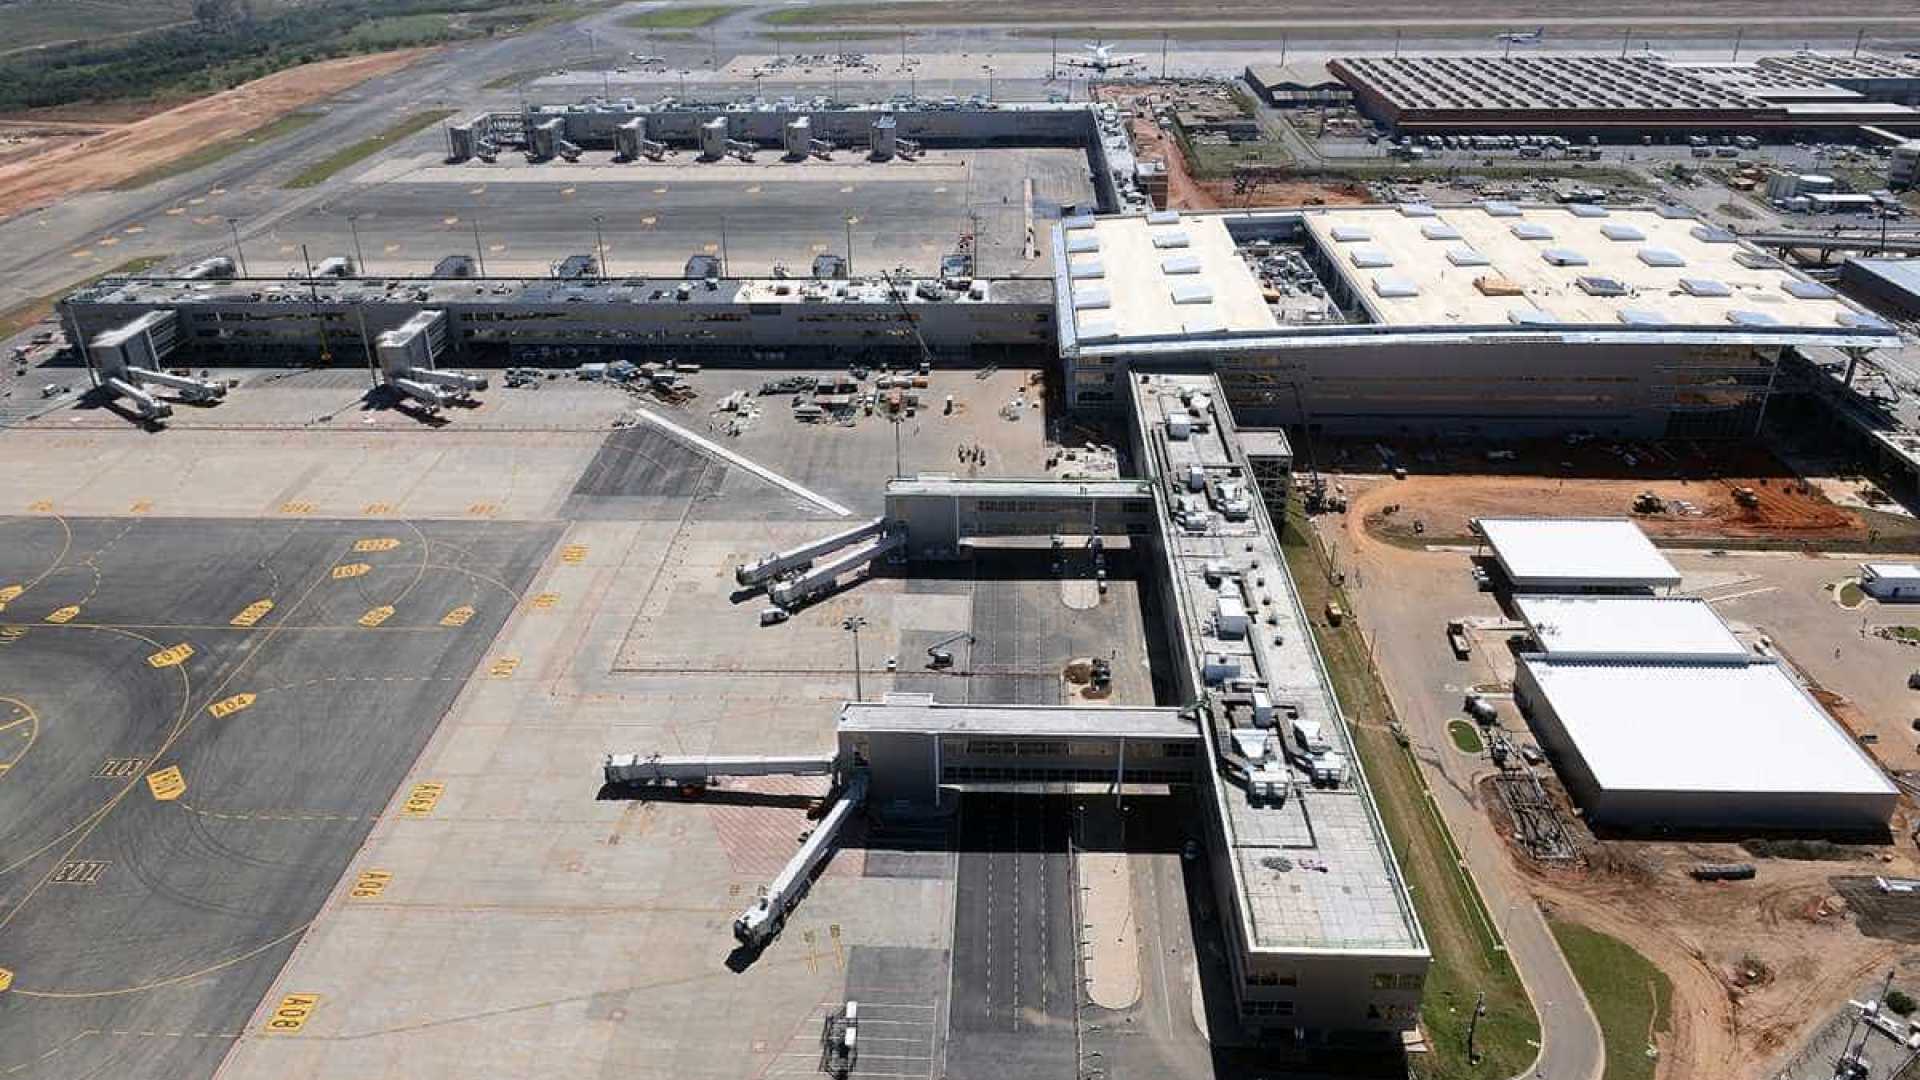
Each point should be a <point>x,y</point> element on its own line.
<point>1490,319</point>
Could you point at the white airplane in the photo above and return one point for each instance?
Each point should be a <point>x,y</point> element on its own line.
<point>1522,37</point>
<point>1100,58</point>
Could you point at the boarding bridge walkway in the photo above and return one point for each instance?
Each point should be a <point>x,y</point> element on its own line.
<point>945,515</point>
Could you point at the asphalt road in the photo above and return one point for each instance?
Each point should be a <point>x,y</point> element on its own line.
<point>184,792</point>
<point>1405,605</point>
<point>1011,1011</point>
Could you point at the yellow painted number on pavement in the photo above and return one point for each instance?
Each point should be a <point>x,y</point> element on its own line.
<point>168,784</point>
<point>381,543</point>
<point>573,554</point>
<point>350,570</point>
<point>253,613</point>
<point>6,980</point>
<point>375,616</point>
<point>457,617</point>
<point>370,884</point>
<point>9,594</point>
<point>229,706</point>
<point>503,667</point>
<point>171,657</point>
<point>64,615</point>
<point>44,506</point>
<point>291,1014</point>
<point>422,799</point>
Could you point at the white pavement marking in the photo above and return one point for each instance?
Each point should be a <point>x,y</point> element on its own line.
<point>753,467</point>
<point>1738,595</point>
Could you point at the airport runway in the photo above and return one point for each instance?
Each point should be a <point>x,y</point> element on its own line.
<point>200,723</point>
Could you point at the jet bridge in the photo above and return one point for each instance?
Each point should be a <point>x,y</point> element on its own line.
<point>126,358</point>
<point>407,362</point>
<point>801,557</point>
<point>944,515</point>
<point>653,769</point>
<point>807,586</point>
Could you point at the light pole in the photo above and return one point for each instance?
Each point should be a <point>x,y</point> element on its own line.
<point>851,221</point>
<point>852,624</point>
<point>989,68</point>
<point>241,256</point>
<point>479,253</point>
<point>359,257</point>
<point>897,473</point>
<point>600,245</point>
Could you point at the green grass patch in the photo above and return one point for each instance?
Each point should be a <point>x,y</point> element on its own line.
<point>678,18</point>
<point>367,147</point>
<point>211,153</point>
<point>1630,997</point>
<point>16,319</point>
<point>1851,595</point>
<point>1468,957</point>
<point>1466,737</point>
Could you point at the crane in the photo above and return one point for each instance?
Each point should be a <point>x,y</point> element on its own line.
<point>937,654</point>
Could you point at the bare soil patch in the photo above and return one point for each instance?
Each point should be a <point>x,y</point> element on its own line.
<point>1446,487</point>
<point>127,150</point>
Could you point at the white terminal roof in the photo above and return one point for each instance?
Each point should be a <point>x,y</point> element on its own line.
<point>1629,627</point>
<point>1702,727</point>
<point>1453,269</point>
<point>1576,553</point>
<point>1649,260</point>
<point>1141,288</point>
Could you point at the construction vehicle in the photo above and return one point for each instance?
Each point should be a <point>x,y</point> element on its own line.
<point>1649,503</point>
<point>1457,638</point>
<point>939,656</point>
<point>1102,675</point>
<point>1746,497</point>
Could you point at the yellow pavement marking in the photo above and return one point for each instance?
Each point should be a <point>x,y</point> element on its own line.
<point>42,506</point>
<point>449,220</point>
<point>378,543</point>
<point>11,634</point>
<point>9,594</point>
<point>422,799</point>
<point>141,507</point>
<point>291,1014</point>
<point>481,509</point>
<point>457,617</point>
<point>573,554</point>
<point>372,509</point>
<point>349,570</point>
<point>253,613</point>
<point>168,784</point>
<point>6,980</point>
<point>63,615</point>
<point>171,656</point>
<point>296,508</point>
<point>228,706</point>
<point>503,667</point>
<point>546,600</point>
<point>369,884</point>
<point>375,616</point>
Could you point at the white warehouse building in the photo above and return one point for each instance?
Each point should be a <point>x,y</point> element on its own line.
<point>1651,746</point>
<point>1566,555</point>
